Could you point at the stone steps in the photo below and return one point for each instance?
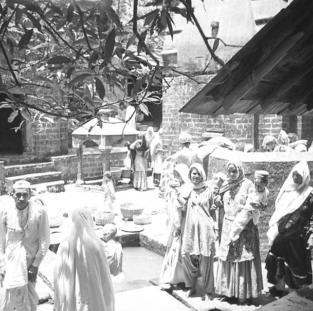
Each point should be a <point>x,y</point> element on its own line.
<point>31,168</point>
<point>36,178</point>
<point>51,186</point>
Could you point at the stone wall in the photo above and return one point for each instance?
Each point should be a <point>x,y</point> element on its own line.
<point>277,164</point>
<point>92,164</point>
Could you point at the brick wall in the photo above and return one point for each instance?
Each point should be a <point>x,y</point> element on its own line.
<point>49,138</point>
<point>270,124</point>
<point>277,164</point>
<point>237,127</point>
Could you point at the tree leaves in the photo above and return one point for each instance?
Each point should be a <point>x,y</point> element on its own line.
<point>79,78</point>
<point>59,59</point>
<point>25,39</point>
<point>100,88</point>
<point>109,45</point>
<point>151,16</point>
<point>35,21</point>
<point>12,116</point>
<point>70,13</point>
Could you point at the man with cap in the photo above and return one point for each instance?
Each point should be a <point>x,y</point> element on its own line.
<point>24,241</point>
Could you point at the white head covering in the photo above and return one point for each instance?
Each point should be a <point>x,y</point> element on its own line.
<point>283,138</point>
<point>290,197</point>
<point>183,171</point>
<point>200,169</point>
<point>81,270</point>
<point>184,138</point>
<point>22,185</point>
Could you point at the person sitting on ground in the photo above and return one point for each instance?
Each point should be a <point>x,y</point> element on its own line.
<point>293,137</point>
<point>82,278</point>
<point>113,249</point>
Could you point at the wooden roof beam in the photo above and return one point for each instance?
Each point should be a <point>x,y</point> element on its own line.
<point>260,71</point>
<point>283,88</point>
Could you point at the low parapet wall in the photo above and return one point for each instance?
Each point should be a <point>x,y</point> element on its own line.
<point>278,164</point>
<point>92,164</point>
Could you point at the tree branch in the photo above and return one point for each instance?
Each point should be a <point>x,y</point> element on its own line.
<point>81,15</point>
<point>9,64</point>
<point>136,33</point>
<point>204,37</point>
<point>62,39</point>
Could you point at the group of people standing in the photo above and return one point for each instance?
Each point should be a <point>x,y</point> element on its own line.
<point>217,222</point>
<point>144,151</point>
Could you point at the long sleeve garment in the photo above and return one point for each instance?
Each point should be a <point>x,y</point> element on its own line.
<point>30,226</point>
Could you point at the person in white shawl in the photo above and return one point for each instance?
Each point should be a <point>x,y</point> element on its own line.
<point>81,276</point>
<point>290,227</point>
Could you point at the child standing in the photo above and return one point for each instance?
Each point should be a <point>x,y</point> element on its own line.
<point>109,192</point>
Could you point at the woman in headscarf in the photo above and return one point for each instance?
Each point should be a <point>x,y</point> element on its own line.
<point>81,276</point>
<point>156,152</point>
<point>239,274</point>
<point>185,155</point>
<point>198,244</point>
<point>290,233</point>
<point>269,143</point>
<point>172,271</point>
<point>283,142</point>
<point>140,163</point>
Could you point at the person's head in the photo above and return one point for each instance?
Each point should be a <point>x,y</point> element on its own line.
<point>283,138</point>
<point>127,144</point>
<point>109,232</point>
<point>107,176</point>
<point>297,178</point>
<point>300,175</point>
<point>21,194</point>
<point>181,173</point>
<point>292,137</point>
<point>196,174</point>
<point>219,179</point>
<point>80,218</point>
<point>122,106</point>
<point>184,139</point>
<point>260,180</point>
<point>234,170</point>
<point>269,143</point>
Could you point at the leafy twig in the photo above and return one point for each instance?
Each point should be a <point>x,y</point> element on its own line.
<point>135,31</point>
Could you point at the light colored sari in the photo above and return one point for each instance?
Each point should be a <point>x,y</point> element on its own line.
<point>82,278</point>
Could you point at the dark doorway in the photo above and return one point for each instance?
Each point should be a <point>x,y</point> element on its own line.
<point>11,141</point>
